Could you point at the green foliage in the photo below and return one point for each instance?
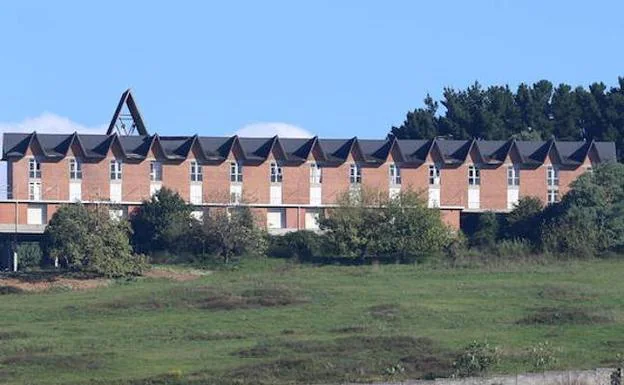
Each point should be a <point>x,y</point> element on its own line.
<point>162,223</point>
<point>233,234</point>
<point>487,231</point>
<point>88,239</point>
<point>542,356</point>
<point>533,112</point>
<point>476,359</point>
<point>589,220</point>
<point>303,245</point>
<point>523,222</point>
<point>29,255</point>
<point>369,224</point>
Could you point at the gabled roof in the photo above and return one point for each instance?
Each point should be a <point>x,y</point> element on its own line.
<point>128,100</point>
<point>453,152</point>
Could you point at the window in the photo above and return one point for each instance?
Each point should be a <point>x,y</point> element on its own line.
<point>276,173</point>
<point>474,176</point>
<point>34,191</point>
<point>395,174</point>
<point>434,175</point>
<point>552,176</point>
<point>75,169</point>
<point>355,174</point>
<point>34,168</point>
<point>235,197</point>
<point>315,173</point>
<point>155,171</point>
<point>236,172</point>
<point>513,176</point>
<point>115,170</point>
<point>196,172</point>
<point>553,195</point>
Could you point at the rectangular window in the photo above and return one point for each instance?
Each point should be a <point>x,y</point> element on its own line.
<point>434,175</point>
<point>115,170</point>
<point>75,169</point>
<point>513,176</point>
<point>553,195</point>
<point>155,171</point>
<point>552,176</point>
<point>34,191</point>
<point>276,173</point>
<point>236,172</point>
<point>474,176</point>
<point>34,168</point>
<point>355,174</point>
<point>196,172</point>
<point>315,173</point>
<point>395,174</point>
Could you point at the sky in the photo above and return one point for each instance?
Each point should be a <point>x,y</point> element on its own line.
<point>312,67</point>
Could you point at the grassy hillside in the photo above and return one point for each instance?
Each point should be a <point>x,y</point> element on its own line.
<point>279,323</point>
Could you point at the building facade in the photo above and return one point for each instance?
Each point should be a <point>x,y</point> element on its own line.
<point>286,181</point>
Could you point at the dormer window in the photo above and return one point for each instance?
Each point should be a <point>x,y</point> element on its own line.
<point>552,176</point>
<point>355,174</point>
<point>474,176</point>
<point>513,176</point>
<point>196,172</point>
<point>34,169</point>
<point>115,169</point>
<point>236,172</point>
<point>315,173</point>
<point>434,175</point>
<point>155,171</point>
<point>276,173</point>
<point>395,174</point>
<point>75,169</point>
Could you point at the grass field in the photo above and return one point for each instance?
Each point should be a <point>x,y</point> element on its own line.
<point>274,322</point>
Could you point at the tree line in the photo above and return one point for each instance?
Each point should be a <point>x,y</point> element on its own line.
<point>532,112</point>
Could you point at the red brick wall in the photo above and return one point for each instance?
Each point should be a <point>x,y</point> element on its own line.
<point>55,180</point>
<point>335,182</point>
<point>295,218</point>
<point>533,183</point>
<point>135,181</point>
<point>493,189</point>
<point>296,185</point>
<point>376,178</point>
<point>96,180</point>
<point>256,182</point>
<point>415,179</point>
<point>20,178</point>
<point>450,218</point>
<point>176,176</point>
<point>454,186</point>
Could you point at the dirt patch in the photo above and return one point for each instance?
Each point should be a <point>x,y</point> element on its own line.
<point>175,275</point>
<point>6,290</point>
<point>349,329</point>
<point>54,283</point>
<point>215,336</point>
<point>69,362</point>
<point>562,316</point>
<point>12,335</point>
<point>559,293</point>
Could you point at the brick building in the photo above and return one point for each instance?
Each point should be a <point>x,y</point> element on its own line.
<point>286,181</point>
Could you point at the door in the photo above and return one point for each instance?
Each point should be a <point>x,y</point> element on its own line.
<point>315,195</point>
<point>474,198</point>
<point>276,194</point>
<point>75,191</point>
<point>115,192</point>
<point>513,195</point>
<point>196,194</point>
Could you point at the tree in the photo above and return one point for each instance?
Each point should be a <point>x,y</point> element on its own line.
<point>421,123</point>
<point>233,233</point>
<point>162,222</point>
<point>524,220</point>
<point>88,239</point>
<point>370,224</point>
<point>487,230</point>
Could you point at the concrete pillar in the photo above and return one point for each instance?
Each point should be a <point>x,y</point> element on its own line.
<point>14,260</point>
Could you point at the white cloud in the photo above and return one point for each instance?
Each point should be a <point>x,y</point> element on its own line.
<point>267,129</point>
<point>45,123</point>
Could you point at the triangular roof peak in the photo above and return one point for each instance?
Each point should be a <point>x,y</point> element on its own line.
<point>120,120</point>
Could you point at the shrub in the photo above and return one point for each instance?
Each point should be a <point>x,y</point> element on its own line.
<point>475,359</point>
<point>162,223</point>
<point>303,244</point>
<point>370,225</point>
<point>487,230</point>
<point>523,222</point>
<point>541,356</point>
<point>29,255</point>
<point>514,248</point>
<point>87,239</point>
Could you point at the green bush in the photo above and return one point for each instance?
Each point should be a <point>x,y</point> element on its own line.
<point>475,359</point>
<point>487,231</point>
<point>87,239</point>
<point>541,356</point>
<point>523,222</point>
<point>513,248</point>
<point>29,255</point>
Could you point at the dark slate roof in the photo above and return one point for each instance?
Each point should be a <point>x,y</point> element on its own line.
<point>295,150</point>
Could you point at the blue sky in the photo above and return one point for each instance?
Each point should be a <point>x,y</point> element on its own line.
<point>333,68</point>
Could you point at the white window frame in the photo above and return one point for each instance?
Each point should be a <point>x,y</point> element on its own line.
<point>552,195</point>
<point>474,175</point>
<point>316,174</point>
<point>31,191</point>
<point>236,172</point>
<point>395,174</point>
<point>434,175</point>
<point>513,176</point>
<point>276,173</point>
<point>156,171</point>
<point>355,173</point>
<point>115,169</point>
<point>34,168</point>
<point>552,176</point>
<point>196,171</point>
<point>75,169</point>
